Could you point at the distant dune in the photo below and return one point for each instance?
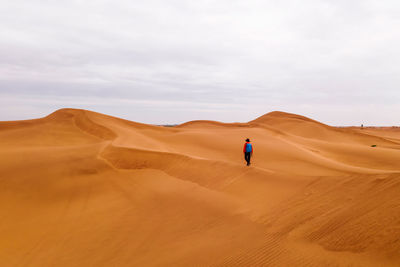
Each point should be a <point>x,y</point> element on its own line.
<point>80,188</point>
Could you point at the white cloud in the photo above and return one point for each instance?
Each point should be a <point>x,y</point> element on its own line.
<point>309,57</point>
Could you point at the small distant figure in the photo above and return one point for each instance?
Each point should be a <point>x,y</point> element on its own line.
<point>248,151</point>
<point>362,126</point>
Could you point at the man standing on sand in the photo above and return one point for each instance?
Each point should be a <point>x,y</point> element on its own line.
<point>248,151</point>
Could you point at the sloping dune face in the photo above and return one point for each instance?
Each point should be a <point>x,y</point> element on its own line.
<point>79,188</point>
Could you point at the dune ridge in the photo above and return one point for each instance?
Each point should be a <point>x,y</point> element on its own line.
<point>80,188</point>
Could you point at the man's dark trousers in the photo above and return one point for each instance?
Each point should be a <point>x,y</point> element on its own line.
<point>247,156</point>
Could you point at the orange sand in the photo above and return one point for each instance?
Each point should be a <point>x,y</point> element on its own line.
<point>79,188</point>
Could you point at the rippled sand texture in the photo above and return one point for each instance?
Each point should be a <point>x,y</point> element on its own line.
<point>79,188</point>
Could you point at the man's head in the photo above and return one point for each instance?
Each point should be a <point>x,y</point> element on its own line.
<point>247,140</point>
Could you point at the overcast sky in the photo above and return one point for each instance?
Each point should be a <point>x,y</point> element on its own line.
<point>170,61</point>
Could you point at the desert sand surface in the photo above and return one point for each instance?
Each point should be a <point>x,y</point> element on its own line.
<point>80,188</point>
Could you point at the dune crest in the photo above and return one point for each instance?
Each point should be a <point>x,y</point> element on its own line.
<point>80,188</point>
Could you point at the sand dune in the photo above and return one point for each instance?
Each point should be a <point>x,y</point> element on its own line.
<point>79,188</point>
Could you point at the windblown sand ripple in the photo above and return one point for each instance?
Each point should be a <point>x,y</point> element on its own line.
<point>79,188</point>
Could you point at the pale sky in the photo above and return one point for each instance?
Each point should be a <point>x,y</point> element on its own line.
<point>171,61</point>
